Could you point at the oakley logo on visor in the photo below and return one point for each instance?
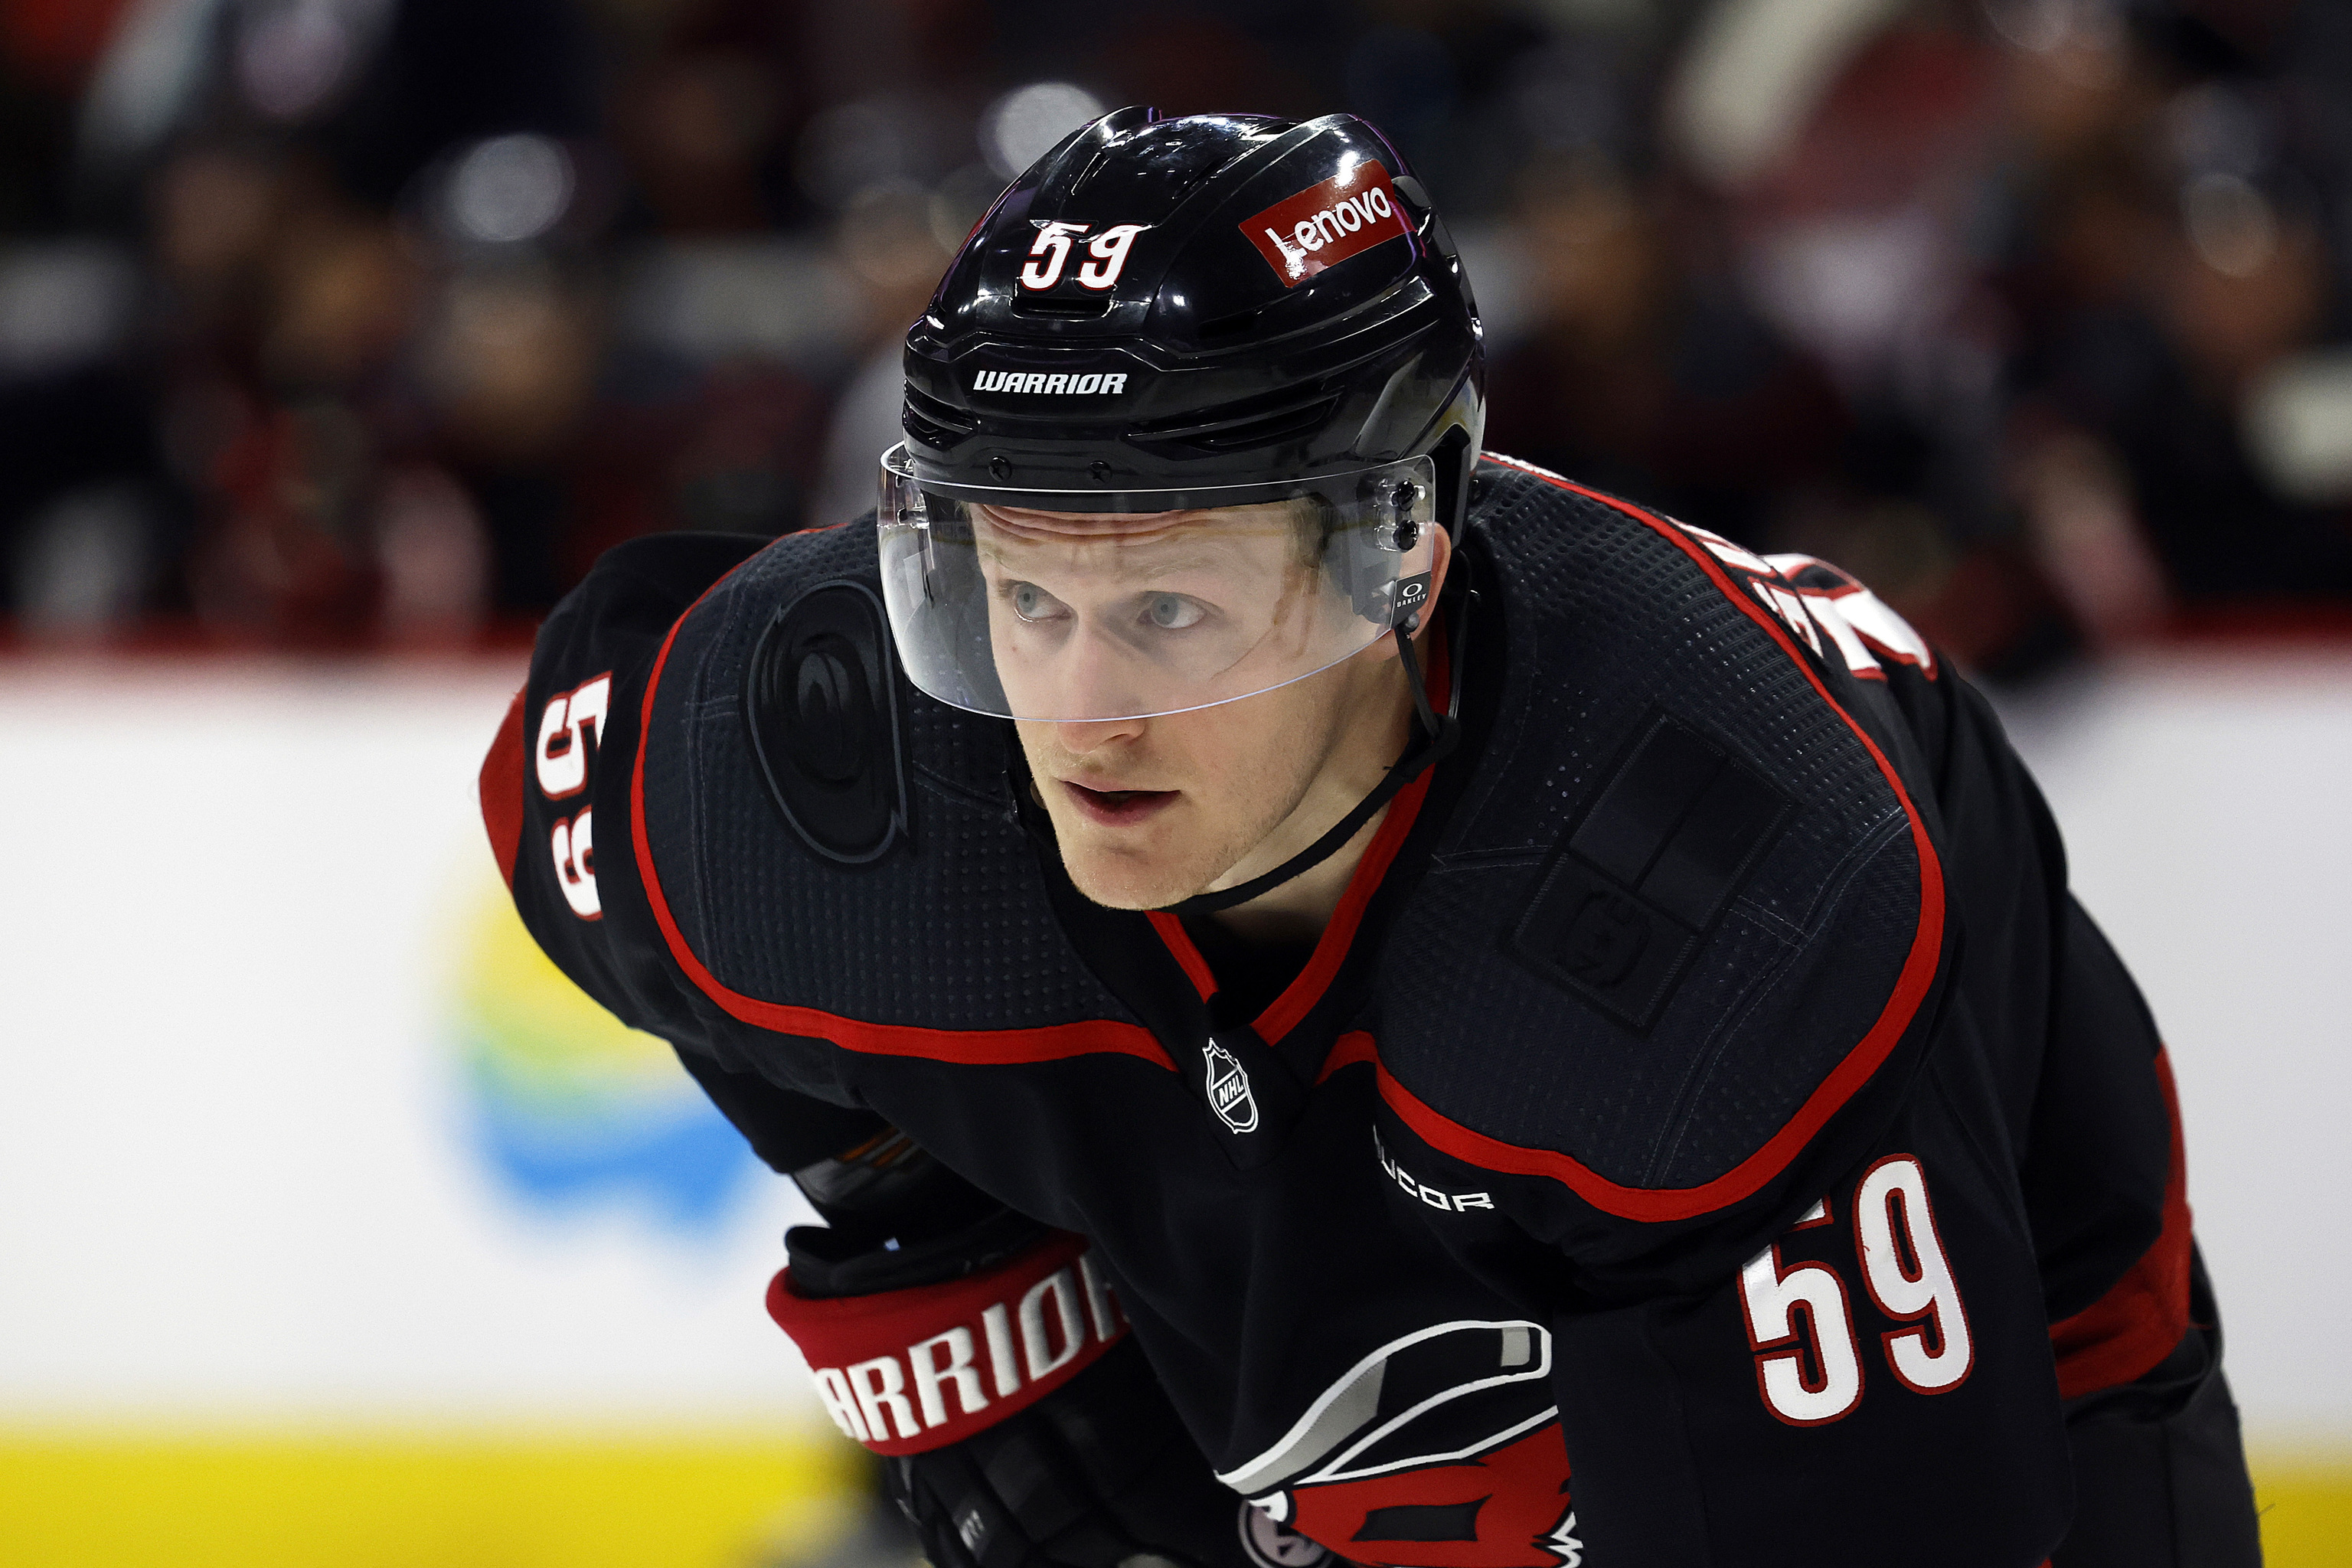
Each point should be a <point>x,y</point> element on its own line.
<point>1324,224</point>
<point>1057,384</point>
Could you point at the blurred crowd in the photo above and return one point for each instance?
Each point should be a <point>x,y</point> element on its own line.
<point>356,323</point>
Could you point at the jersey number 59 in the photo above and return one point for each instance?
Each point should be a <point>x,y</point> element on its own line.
<point>566,729</point>
<point>1809,1361</point>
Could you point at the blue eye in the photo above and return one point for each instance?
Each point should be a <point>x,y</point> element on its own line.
<point>1032,603</point>
<point>1173,611</point>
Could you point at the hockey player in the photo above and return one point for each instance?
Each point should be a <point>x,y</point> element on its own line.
<point>1346,999</point>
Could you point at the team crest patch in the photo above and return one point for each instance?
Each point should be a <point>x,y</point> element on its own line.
<point>1229,1089</point>
<point>1629,894</point>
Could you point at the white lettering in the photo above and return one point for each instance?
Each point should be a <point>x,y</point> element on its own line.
<point>563,763</point>
<point>1305,235</point>
<point>573,844</point>
<point>1036,1347</point>
<point>1802,1390</point>
<point>1346,215</point>
<point>1294,261</point>
<point>563,736</point>
<point>1377,199</point>
<point>1109,250</point>
<point>1002,1358</point>
<point>1785,602</point>
<point>880,1386</point>
<point>1841,632</point>
<point>1723,550</point>
<point>833,1389</point>
<point>1866,613</point>
<point>1102,1305</point>
<point>1049,251</point>
<point>958,1370</point>
<point>1894,1194</point>
<point>1037,380</point>
<point>1048,1331</point>
<point>1451,1202</point>
<point>1327,226</point>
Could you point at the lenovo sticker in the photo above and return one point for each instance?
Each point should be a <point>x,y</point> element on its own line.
<point>1324,224</point>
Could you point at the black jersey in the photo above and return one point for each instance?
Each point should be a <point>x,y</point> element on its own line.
<point>1707,1131</point>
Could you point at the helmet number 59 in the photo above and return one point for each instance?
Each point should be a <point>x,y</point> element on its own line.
<point>1109,250</point>
<point>1049,253</point>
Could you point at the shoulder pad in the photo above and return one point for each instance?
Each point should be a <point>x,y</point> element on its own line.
<point>1687,907</point>
<point>554,783</point>
<point>830,853</point>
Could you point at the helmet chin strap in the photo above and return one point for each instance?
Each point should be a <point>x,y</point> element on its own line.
<point>1433,739</point>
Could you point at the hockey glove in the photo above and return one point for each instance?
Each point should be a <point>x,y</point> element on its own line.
<point>1018,1427</point>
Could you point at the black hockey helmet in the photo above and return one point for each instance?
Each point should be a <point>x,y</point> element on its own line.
<point>1246,319</point>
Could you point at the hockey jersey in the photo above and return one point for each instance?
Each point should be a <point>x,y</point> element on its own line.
<point>1708,1133</point>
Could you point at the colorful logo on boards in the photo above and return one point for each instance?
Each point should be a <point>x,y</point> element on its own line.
<point>568,1108</point>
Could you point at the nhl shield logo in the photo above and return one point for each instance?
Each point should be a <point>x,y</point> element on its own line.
<point>1274,1545</point>
<point>1229,1089</point>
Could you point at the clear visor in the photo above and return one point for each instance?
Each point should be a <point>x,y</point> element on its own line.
<point>1141,602</point>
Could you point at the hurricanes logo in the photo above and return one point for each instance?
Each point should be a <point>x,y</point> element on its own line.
<point>1229,1089</point>
<point>1439,1449</point>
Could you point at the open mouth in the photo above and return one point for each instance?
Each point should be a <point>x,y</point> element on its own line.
<point>1118,807</point>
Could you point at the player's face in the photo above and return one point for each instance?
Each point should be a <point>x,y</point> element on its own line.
<point>1149,811</point>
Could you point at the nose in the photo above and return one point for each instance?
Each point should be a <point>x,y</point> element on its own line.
<point>1090,673</point>
<point>1080,737</point>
